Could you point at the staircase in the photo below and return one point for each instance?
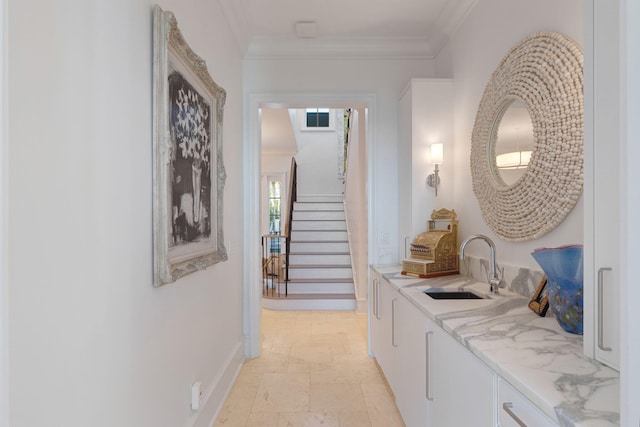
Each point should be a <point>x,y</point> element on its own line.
<point>320,276</point>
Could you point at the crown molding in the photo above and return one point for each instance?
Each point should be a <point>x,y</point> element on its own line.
<point>236,18</point>
<point>290,47</point>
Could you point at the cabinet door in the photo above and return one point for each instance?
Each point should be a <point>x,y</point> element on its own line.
<point>410,363</point>
<point>388,298</point>
<point>514,409</point>
<point>602,189</point>
<point>461,388</point>
<point>374,319</point>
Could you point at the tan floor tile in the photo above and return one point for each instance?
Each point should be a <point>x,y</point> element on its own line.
<point>347,373</point>
<point>380,406</point>
<point>263,419</point>
<point>312,353</point>
<point>308,419</point>
<point>236,409</point>
<point>299,367</point>
<point>314,370</point>
<point>227,419</point>
<point>248,377</point>
<point>354,419</point>
<point>283,392</point>
<point>336,398</point>
<point>241,398</point>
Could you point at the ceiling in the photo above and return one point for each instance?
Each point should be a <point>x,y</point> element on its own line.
<point>381,28</point>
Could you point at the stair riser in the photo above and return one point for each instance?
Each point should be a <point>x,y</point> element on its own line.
<point>318,206</point>
<point>320,288</point>
<point>318,225</point>
<point>321,259</point>
<point>318,236</point>
<point>320,273</point>
<point>318,215</point>
<point>320,198</point>
<point>320,247</point>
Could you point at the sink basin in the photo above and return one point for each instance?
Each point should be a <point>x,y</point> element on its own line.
<point>437,293</point>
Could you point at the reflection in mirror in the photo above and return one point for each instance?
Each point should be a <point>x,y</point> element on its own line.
<point>512,136</point>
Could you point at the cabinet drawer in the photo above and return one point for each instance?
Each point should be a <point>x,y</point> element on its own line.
<point>515,410</point>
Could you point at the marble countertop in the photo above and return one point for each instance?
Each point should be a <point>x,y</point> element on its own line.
<point>533,353</point>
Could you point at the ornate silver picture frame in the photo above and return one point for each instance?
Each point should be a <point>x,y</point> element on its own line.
<point>188,172</point>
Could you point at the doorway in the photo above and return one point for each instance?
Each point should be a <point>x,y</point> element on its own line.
<point>252,200</point>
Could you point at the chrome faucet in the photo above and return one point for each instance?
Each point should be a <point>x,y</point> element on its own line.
<point>494,281</point>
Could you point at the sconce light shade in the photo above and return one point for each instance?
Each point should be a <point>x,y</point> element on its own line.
<point>433,180</point>
<point>514,160</point>
<point>437,151</point>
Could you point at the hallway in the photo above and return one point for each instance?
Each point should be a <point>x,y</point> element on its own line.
<point>313,371</point>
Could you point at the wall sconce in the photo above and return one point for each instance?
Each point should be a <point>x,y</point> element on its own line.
<point>433,180</point>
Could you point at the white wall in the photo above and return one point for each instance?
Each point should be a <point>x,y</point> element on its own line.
<point>490,30</point>
<point>317,157</point>
<point>383,78</point>
<point>426,116</point>
<point>91,342</point>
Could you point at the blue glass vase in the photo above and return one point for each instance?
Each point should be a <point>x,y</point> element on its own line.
<point>564,270</point>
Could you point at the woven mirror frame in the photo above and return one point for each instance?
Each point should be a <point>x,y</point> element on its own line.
<point>545,73</point>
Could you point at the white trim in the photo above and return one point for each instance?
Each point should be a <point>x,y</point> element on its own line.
<point>252,175</point>
<point>4,194</point>
<point>217,392</point>
<point>450,19</point>
<point>630,211</point>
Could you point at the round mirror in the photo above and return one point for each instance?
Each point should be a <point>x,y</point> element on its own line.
<point>527,143</point>
<point>512,136</point>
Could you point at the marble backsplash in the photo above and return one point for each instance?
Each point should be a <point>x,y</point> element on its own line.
<point>522,281</point>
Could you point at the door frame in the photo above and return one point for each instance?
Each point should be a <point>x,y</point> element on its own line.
<point>4,166</point>
<point>252,184</point>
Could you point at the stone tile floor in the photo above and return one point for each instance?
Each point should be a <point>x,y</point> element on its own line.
<point>313,371</point>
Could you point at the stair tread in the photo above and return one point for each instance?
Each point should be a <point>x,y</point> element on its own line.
<point>320,266</point>
<point>345,280</point>
<point>318,253</point>
<point>320,241</point>
<point>320,296</point>
<point>316,220</point>
<point>316,210</point>
<point>322,230</point>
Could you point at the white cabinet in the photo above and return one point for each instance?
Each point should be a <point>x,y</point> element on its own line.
<point>515,410</point>
<point>425,116</point>
<point>374,318</point>
<point>602,187</point>
<point>387,312</point>
<point>410,363</point>
<point>461,388</point>
<point>383,341</point>
<point>437,382</point>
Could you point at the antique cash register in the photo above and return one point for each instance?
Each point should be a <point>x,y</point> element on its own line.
<point>435,252</point>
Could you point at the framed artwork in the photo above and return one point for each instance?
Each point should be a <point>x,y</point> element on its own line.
<point>188,172</point>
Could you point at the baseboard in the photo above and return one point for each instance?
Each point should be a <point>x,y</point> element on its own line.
<point>361,306</point>
<point>214,396</point>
